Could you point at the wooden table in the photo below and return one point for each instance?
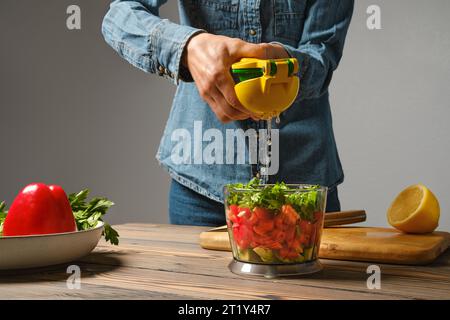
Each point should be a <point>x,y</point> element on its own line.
<point>166,262</point>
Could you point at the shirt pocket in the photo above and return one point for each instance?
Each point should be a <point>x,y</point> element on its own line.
<point>215,16</point>
<point>289,16</point>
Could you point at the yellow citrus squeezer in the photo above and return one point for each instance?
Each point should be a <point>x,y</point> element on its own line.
<point>266,87</point>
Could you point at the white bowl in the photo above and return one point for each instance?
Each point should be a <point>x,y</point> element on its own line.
<point>20,252</point>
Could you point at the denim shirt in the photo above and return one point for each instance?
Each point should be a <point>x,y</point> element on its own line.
<point>313,31</point>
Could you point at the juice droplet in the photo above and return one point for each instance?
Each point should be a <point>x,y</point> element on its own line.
<point>277,119</point>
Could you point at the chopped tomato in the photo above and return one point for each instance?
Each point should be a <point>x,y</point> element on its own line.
<point>306,226</point>
<point>278,235</point>
<point>274,245</point>
<point>306,229</point>
<point>261,239</point>
<point>318,216</point>
<point>304,238</point>
<point>253,219</point>
<point>287,253</point>
<point>295,244</point>
<point>290,233</point>
<point>278,220</point>
<point>233,212</point>
<point>263,227</point>
<point>242,235</point>
<point>290,216</point>
<point>267,242</point>
<point>237,214</point>
<point>244,213</point>
<point>262,213</point>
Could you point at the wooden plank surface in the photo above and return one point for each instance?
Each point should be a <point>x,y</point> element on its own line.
<point>379,245</point>
<point>166,262</point>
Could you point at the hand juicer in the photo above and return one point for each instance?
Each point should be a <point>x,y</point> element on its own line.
<point>266,87</point>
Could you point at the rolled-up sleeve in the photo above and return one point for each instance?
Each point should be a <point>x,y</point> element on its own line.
<point>320,48</point>
<point>150,43</point>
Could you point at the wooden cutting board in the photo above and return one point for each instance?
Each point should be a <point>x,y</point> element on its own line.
<point>380,245</point>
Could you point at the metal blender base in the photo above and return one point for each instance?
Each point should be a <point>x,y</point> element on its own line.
<point>274,270</point>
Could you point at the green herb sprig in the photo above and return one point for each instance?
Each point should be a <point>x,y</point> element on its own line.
<point>88,214</point>
<point>3,213</point>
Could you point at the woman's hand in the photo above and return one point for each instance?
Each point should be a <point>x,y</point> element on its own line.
<point>209,58</point>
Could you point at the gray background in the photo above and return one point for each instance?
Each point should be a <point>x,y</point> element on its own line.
<point>74,113</point>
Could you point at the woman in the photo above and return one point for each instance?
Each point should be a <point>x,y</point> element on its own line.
<point>197,54</point>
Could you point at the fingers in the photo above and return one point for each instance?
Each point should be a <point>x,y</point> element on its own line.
<point>225,84</point>
<point>242,49</point>
<point>217,88</point>
<point>217,102</point>
<point>215,108</point>
<point>276,51</point>
<point>224,110</point>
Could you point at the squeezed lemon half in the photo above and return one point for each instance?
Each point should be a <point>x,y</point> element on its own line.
<point>414,210</point>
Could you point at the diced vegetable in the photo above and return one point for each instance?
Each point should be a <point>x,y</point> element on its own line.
<point>265,254</point>
<point>248,255</point>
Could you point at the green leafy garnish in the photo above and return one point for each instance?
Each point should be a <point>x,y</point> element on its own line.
<point>3,213</point>
<point>305,203</point>
<point>273,197</point>
<point>88,214</point>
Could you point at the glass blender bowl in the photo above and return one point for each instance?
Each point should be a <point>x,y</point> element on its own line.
<point>275,230</point>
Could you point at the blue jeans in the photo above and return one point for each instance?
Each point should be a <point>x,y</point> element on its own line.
<point>191,208</point>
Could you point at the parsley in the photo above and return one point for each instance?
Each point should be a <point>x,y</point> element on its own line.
<point>273,197</point>
<point>88,214</point>
<point>3,213</point>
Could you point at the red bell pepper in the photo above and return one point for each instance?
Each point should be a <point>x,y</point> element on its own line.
<point>39,209</point>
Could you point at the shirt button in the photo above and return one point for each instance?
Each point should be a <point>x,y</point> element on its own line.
<point>252,32</point>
